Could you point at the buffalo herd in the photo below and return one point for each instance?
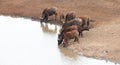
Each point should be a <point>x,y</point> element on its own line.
<point>72,28</point>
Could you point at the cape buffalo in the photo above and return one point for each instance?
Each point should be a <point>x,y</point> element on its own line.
<point>70,16</point>
<point>73,34</point>
<point>61,36</point>
<point>48,12</point>
<point>73,22</point>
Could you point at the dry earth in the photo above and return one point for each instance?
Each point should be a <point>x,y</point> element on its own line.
<point>102,41</point>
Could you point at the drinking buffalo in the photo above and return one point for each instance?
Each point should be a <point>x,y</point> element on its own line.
<point>74,34</point>
<point>48,12</point>
<point>62,34</point>
<point>66,36</point>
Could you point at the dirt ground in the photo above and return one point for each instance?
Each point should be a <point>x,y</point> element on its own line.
<point>102,41</point>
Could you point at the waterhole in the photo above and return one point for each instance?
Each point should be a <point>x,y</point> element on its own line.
<point>27,42</point>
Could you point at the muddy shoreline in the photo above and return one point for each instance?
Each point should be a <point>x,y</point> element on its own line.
<point>98,42</point>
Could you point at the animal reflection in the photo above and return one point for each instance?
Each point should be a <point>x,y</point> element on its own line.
<point>67,53</point>
<point>46,29</point>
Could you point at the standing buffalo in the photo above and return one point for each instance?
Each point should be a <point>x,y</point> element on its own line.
<point>73,22</point>
<point>83,21</point>
<point>76,22</point>
<point>70,16</point>
<point>48,12</point>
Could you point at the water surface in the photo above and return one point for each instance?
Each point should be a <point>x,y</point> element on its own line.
<point>27,42</point>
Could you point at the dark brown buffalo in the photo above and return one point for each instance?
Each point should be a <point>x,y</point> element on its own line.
<point>81,30</point>
<point>62,34</point>
<point>77,23</point>
<point>73,22</point>
<point>48,12</point>
<point>66,36</point>
<point>70,16</point>
<point>74,34</point>
<point>81,21</point>
<point>70,28</point>
<point>62,31</point>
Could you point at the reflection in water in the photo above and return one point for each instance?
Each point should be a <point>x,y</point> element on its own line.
<point>68,53</point>
<point>47,28</point>
<point>24,42</point>
<point>69,58</point>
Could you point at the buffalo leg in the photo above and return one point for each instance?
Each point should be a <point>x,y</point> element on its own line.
<point>65,42</point>
<point>75,39</point>
<point>81,34</point>
<point>55,17</point>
